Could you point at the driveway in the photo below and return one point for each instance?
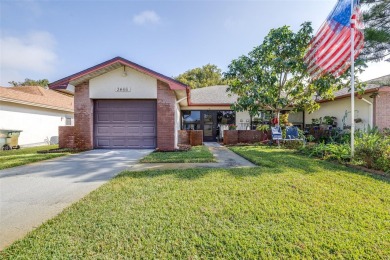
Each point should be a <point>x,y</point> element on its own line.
<point>32,194</point>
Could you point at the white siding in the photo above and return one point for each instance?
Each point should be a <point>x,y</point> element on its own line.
<point>39,125</point>
<point>243,120</point>
<point>338,107</point>
<point>137,85</point>
<point>177,122</point>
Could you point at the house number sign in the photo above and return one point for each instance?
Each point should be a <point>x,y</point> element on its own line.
<point>122,89</point>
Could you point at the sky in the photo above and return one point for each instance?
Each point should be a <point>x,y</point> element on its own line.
<point>53,39</point>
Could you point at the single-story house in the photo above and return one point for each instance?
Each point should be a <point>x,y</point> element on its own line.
<point>371,109</point>
<point>120,104</point>
<point>36,111</point>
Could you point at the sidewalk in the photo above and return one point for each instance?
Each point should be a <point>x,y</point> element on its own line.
<point>225,159</point>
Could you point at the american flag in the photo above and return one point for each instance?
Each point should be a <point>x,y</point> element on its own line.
<point>330,48</point>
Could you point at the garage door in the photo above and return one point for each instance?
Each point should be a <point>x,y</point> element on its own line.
<point>125,124</point>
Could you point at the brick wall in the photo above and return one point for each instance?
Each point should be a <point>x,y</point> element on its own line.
<point>66,136</point>
<point>192,137</point>
<point>382,108</point>
<point>83,117</point>
<point>165,117</point>
<point>231,137</point>
<point>196,137</point>
<point>183,137</point>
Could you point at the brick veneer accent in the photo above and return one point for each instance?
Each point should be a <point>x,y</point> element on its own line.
<point>66,137</point>
<point>165,117</point>
<point>183,137</point>
<point>83,117</point>
<point>231,137</point>
<point>196,137</point>
<point>382,108</point>
<point>192,137</point>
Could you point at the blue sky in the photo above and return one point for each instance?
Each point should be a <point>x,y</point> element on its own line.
<point>53,39</point>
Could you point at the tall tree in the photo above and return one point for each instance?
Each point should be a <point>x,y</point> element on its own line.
<point>273,75</point>
<point>377,30</point>
<point>205,76</point>
<point>30,82</point>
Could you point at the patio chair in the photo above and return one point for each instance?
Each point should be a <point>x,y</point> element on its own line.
<point>292,134</point>
<point>276,133</point>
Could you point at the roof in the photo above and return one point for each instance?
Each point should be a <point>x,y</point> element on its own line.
<point>37,96</point>
<point>382,81</point>
<point>213,95</point>
<point>110,65</point>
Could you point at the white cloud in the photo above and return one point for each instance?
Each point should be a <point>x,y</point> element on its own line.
<point>146,17</point>
<point>375,70</point>
<point>33,53</point>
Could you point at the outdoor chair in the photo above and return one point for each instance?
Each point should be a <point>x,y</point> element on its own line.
<point>276,133</point>
<point>292,134</point>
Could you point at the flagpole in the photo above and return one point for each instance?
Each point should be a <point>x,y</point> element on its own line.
<point>352,81</point>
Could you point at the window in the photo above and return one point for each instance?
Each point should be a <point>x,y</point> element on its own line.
<point>191,120</point>
<point>226,117</point>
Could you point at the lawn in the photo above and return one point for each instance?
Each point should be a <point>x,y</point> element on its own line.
<point>197,154</point>
<point>23,156</point>
<point>289,207</point>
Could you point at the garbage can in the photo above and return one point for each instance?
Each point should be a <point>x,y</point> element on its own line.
<point>9,139</point>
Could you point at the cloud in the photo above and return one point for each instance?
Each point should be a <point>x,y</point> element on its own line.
<point>33,53</point>
<point>146,17</point>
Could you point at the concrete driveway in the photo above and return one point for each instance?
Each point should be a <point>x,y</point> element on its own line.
<point>32,194</point>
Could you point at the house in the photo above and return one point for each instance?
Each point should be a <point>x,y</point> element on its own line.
<point>36,111</point>
<point>120,104</point>
<point>371,108</point>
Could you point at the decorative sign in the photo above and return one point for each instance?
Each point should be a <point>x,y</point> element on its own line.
<point>122,89</point>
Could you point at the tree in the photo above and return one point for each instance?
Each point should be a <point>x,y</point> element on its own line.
<point>377,30</point>
<point>273,75</point>
<point>205,76</point>
<point>30,82</point>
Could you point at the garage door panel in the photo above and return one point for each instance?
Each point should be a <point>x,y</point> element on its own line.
<point>125,124</point>
<point>103,130</point>
<point>118,117</point>
<point>103,118</point>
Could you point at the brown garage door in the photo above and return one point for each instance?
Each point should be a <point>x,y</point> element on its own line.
<point>125,124</point>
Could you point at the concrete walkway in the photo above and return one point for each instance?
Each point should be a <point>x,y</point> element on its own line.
<point>32,194</point>
<point>225,159</point>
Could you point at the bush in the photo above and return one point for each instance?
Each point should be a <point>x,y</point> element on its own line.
<point>373,150</point>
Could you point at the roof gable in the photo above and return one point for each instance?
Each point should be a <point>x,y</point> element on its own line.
<point>110,65</point>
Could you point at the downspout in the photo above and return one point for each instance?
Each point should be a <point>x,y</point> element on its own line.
<point>370,109</point>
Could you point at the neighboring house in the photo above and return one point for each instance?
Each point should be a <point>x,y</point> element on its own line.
<point>372,108</point>
<point>36,111</point>
<point>120,104</point>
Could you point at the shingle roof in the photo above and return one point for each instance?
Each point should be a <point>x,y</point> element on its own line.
<point>37,96</point>
<point>213,95</point>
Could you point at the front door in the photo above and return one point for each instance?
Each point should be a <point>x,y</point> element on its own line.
<point>209,122</point>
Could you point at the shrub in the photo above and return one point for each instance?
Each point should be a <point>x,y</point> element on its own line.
<point>373,150</point>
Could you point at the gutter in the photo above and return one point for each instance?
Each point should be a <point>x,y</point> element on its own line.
<point>370,111</point>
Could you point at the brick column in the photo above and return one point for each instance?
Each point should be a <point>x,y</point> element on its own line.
<point>83,117</point>
<point>165,117</point>
<point>382,108</point>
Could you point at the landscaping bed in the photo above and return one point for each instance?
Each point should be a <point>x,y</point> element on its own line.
<point>289,207</point>
<point>195,154</point>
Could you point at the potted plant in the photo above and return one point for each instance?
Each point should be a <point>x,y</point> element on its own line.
<point>328,120</point>
<point>316,121</point>
<point>232,127</point>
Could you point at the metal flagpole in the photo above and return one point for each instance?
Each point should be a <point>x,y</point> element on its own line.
<point>352,80</point>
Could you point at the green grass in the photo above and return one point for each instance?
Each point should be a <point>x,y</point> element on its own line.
<point>23,156</point>
<point>197,154</point>
<point>289,207</point>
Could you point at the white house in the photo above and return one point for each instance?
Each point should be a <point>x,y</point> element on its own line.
<point>36,111</point>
